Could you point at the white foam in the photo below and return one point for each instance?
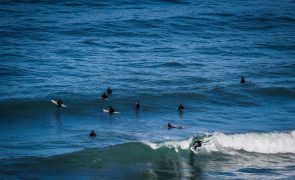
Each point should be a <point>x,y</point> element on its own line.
<point>268,143</point>
<point>176,145</point>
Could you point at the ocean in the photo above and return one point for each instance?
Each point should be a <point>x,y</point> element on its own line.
<point>161,53</point>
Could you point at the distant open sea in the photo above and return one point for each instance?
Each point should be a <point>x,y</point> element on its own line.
<point>161,53</point>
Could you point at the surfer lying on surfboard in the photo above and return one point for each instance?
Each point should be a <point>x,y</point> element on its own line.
<point>169,126</point>
<point>59,103</point>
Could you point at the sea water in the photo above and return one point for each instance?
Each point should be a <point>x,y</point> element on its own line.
<point>160,53</point>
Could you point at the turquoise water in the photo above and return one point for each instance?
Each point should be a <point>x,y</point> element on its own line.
<point>160,53</point>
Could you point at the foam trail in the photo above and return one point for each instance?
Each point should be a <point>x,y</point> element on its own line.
<point>268,143</point>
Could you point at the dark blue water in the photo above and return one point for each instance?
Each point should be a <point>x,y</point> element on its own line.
<point>160,53</point>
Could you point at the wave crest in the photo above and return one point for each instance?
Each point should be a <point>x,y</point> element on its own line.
<point>267,143</point>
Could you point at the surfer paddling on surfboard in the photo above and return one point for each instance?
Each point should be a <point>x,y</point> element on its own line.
<point>169,126</point>
<point>59,103</point>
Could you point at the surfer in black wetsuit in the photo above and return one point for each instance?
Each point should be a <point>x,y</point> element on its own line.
<point>92,134</point>
<point>197,143</point>
<point>109,91</point>
<point>243,81</point>
<point>104,96</point>
<point>111,110</point>
<point>169,126</point>
<point>59,103</point>
<point>137,106</point>
<point>180,107</point>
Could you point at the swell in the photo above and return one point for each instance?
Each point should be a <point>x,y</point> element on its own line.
<point>145,151</point>
<point>276,92</point>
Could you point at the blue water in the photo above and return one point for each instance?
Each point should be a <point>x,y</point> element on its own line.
<point>160,53</point>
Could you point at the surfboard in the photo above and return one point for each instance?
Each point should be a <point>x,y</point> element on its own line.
<point>180,110</point>
<point>104,98</point>
<point>54,102</point>
<point>107,111</point>
<point>174,127</point>
<point>193,150</point>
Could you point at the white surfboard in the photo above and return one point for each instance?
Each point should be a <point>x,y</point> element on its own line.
<point>193,150</point>
<point>54,102</point>
<point>107,111</point>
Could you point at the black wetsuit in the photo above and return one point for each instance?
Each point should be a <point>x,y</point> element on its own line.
<point>59,103</point>
<point>92,134</point>
<point>180,107</point>
<point>170,126</point>
<point>104,96</point>
<point>111,110</point>
<point>137,106</point>
<point>242,81</point>
<point>197,143</point>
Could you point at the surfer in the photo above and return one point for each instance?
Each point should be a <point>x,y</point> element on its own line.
<point>137,105</point>
<point>109,91</point>
<point>170,126</point>
<point>243,81</point>
<point>111,110</point>
<point>59,103</point>
<point>104,96</point>
<point>197,143</point>
<point>180,107</point>
<point>92,134</point>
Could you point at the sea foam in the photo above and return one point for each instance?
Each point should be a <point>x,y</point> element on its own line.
<point>268,143</point>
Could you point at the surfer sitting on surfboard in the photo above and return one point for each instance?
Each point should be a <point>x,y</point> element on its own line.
<point>137,106</point>
<point>243,81</point>
<point>104,96</point>
<point>59,103</point>
<point>92,134</point>
<point>197,143</point>
<point>180,107</point>
<point>111,110</point>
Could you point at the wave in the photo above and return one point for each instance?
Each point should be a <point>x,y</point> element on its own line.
<point>164,159</point>
<point>266,143</point>
<point>276,91</point>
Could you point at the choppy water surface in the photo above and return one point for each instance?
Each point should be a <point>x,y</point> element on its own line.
<point>160,53</point>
